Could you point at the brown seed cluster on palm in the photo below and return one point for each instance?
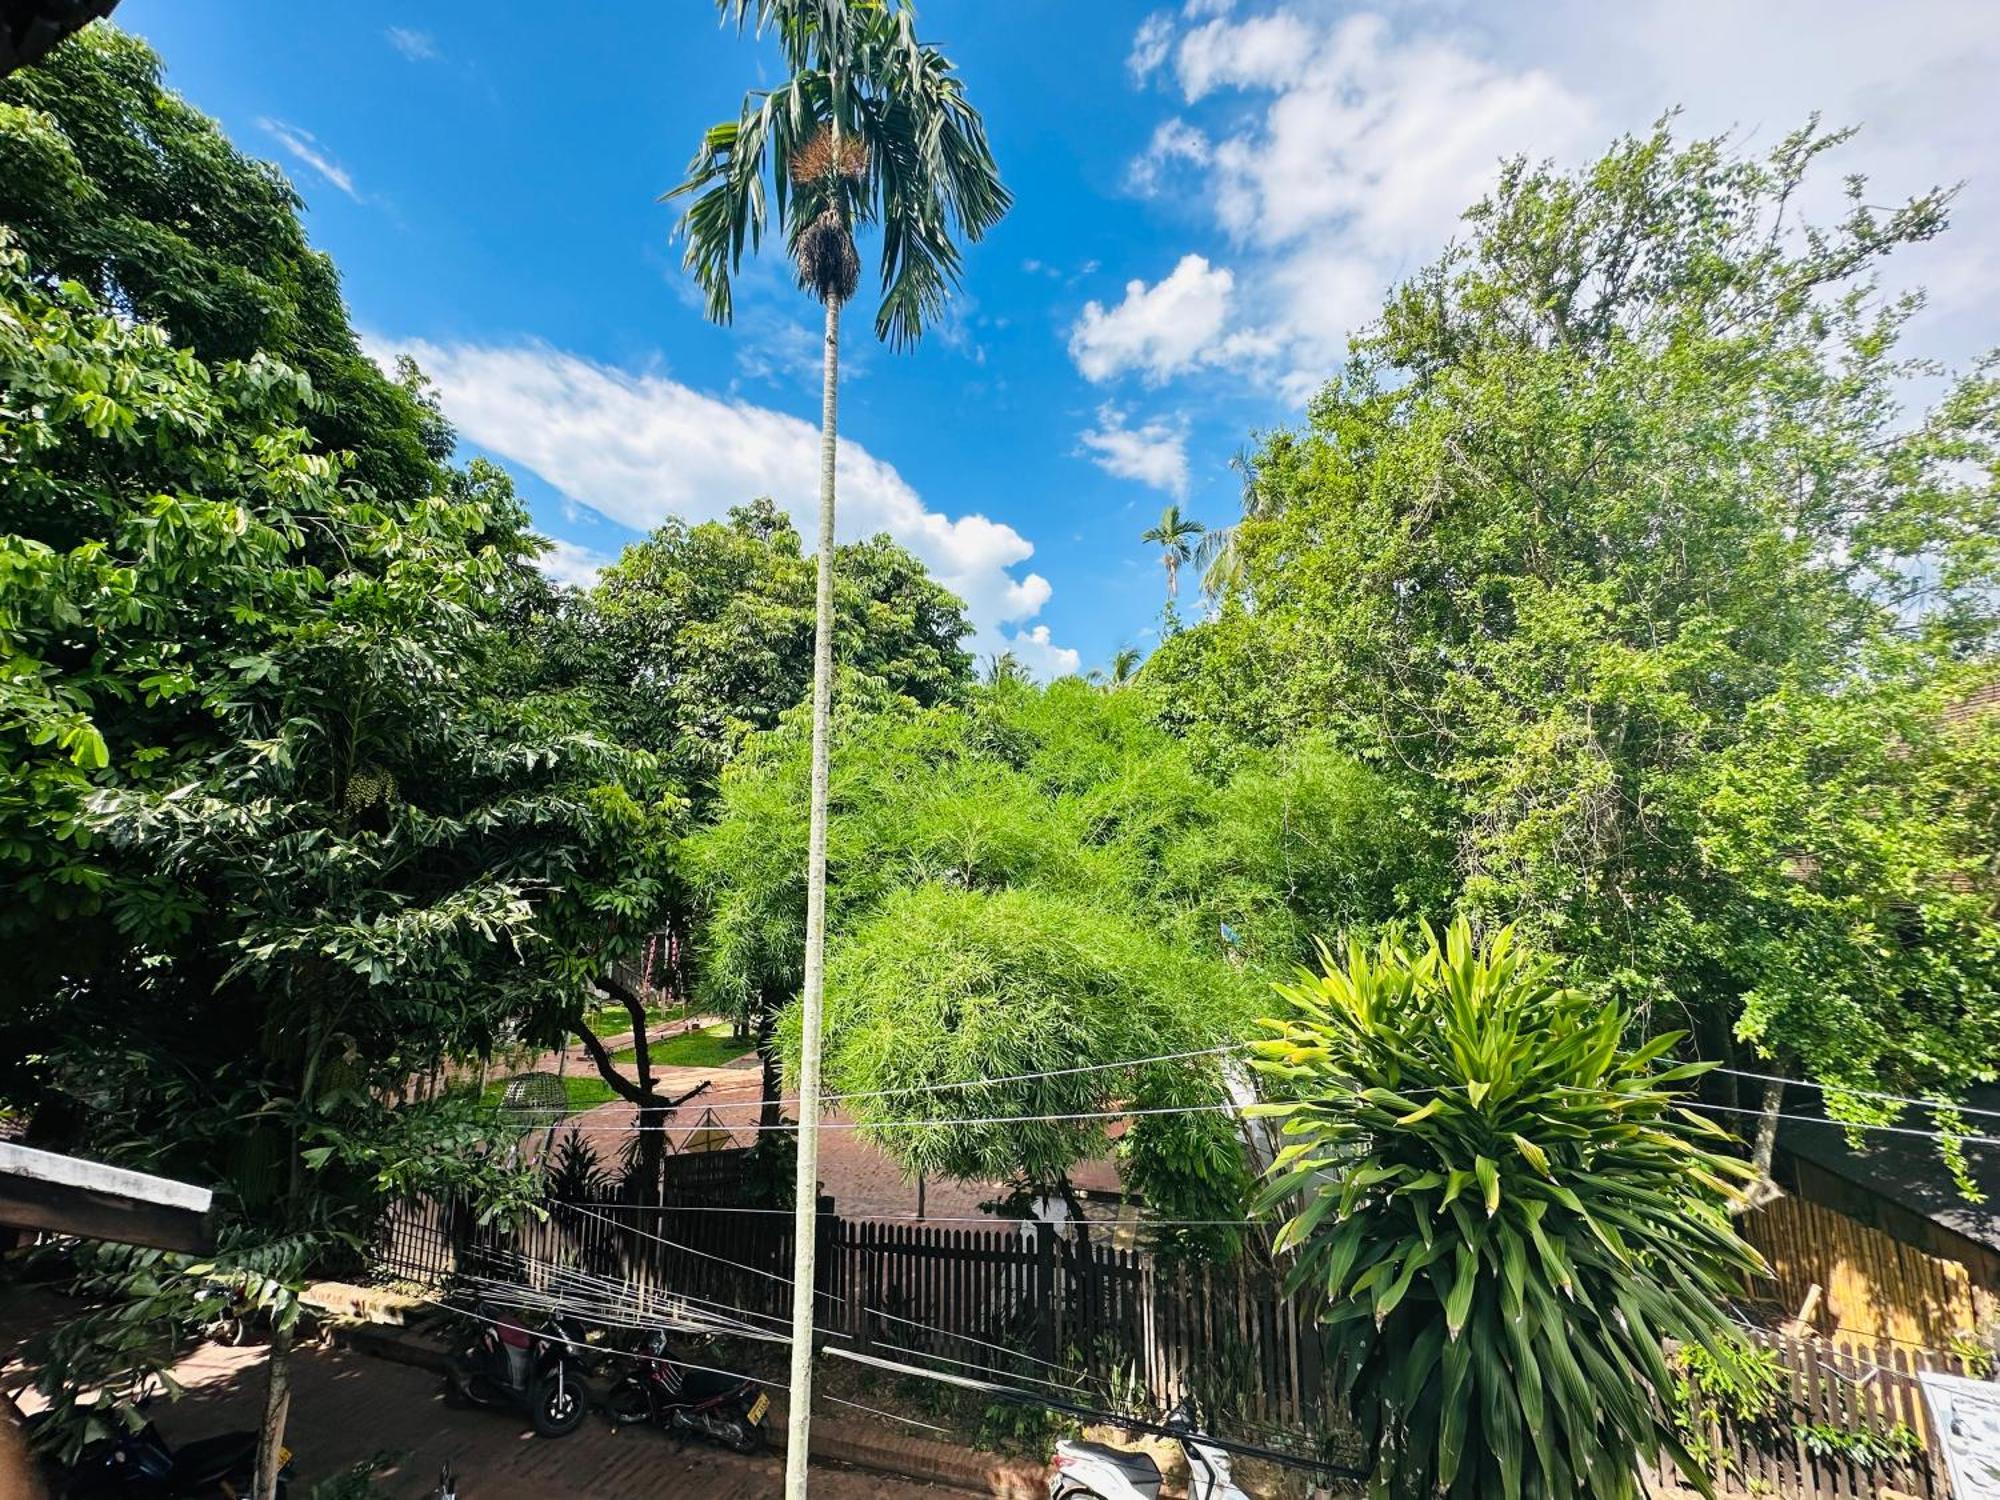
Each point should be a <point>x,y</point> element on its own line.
<point>829,266</point>
<point>821,159</point>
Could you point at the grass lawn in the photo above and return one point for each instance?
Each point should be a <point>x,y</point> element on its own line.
<point>584,1091</point>
<point>616,1020</point>
<point>710,1047</point>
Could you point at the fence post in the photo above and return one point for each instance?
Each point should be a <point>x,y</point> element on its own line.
<point>825,1280</point>
<point>1045,1290</point>
<point>867,1285</point>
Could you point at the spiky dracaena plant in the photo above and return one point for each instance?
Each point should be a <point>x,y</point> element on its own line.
<point>1502,1213</point>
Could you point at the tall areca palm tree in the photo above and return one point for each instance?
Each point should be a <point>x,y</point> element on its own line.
<point>1220,555</point>
<point>1124,665</point>
<point>870,129</point>
<point>1175,537</point>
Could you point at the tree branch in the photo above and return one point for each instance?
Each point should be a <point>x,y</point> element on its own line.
<point>635,1006</point>
<point>622,1086</point>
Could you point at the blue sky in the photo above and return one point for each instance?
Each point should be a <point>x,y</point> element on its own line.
<point>1209,197</point>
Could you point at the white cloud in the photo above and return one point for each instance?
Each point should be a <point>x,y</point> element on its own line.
<point>566,562</point>
<point>1034,650</point>
<point>304,145</point>
<point>1159,330</point>
<point>1354,172</point>
<point>1272,51</point>
<point>1174,140</point>
<point>1151,44</point>
<point>1377,142</point>
<point>641,447</point>
<point>1335,151</point>
<point>775,347</point>
<point>417,46</point>
<point>1155,453</point>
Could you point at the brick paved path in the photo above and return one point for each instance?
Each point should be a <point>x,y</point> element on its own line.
<point>348,1406</point>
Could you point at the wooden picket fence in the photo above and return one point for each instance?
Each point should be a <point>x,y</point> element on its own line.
<point>1020,1305</point>
<point>1104,1326</point>
<point>1842,1387</point>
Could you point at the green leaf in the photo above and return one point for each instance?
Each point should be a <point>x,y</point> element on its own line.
<point>1489,1183</point>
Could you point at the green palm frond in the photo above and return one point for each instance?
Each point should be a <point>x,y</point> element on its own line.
<point>928,180</point>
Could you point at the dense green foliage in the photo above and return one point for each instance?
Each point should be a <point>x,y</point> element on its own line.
<point>1617,533</point>
<point>701,634</point>
<point>255,774</point>
<point>110,180</point>
<point>279,830</point>
<point>975,847</point>
<point>949,986</point>
<point>1501,1213</point>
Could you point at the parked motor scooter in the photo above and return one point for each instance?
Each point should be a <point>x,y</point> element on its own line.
<point>141,1465</point>
<point>1107,1473</point>
<point>536,1370</point>
<point>726,1408</point>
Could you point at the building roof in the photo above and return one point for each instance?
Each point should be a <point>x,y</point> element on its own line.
<point>73,1195</point>
<point>1905,1169</point>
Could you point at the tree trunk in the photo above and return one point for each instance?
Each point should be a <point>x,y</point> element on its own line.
<point>652,1155</point>
<point>277,1403</point>
<point>1763,1189</point>
<point>19,1474</point>
<point>799,1428</point>
<point>772,1080</point>
<point>1767,1129</point>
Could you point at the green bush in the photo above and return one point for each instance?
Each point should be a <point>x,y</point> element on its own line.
<point>1505,1212</point>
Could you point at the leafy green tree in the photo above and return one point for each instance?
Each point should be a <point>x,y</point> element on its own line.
<point>110,180</point>
<point>1500,1214</point>
<point>282,831</point>
<point>702,634</point>
<point>1614,495</point>
<point>279,841</point>
<point>941,987</point>
<point>1078,799</point>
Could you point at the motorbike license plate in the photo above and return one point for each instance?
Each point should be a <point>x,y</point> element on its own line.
<point>758,1407</point>
<point>284,1457</point>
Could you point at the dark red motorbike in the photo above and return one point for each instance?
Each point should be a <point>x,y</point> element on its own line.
<point>728,1409</point>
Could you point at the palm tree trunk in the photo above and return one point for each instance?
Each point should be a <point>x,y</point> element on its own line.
<point>799,1421</point>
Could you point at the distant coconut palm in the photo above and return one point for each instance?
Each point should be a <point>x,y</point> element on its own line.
<point>1175,537</point>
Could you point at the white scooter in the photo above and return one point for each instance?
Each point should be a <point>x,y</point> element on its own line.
<point>1097,1469</point>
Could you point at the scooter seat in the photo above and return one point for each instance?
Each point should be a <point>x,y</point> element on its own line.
<point>1138,1468</point>
<point>209,1459</point>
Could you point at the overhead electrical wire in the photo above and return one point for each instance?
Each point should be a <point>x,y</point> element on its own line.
<point>980,1083</point>
<point>1835,1088</point>
<point>1929,1135</point>
<point>994,1388</point>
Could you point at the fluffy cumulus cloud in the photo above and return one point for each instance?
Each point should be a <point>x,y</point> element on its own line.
<point>1154,453</point>
<point>1174,141</point>
<point>1333,151</point>
<point>1158,330</point>
<point>638,448</point>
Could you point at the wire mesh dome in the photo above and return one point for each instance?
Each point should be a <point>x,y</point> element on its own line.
<point>535,1091</point>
